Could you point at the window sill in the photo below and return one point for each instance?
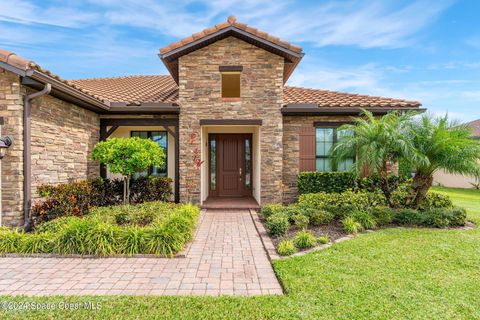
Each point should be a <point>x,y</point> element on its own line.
<point>231,99</point>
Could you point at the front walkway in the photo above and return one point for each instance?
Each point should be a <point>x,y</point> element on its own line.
<point>226,258</point>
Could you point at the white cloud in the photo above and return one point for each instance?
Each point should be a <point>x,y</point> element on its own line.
<point>24,12</point>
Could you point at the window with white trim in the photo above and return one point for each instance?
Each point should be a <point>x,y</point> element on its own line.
<point>325,140</point>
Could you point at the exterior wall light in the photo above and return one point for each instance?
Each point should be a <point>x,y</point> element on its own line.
<point>5,142</point>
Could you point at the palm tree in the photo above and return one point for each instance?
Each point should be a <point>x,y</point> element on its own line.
<point>377,143</point>
<point>445,145</point>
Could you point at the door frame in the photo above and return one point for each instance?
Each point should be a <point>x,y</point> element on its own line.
<point>244,192</point>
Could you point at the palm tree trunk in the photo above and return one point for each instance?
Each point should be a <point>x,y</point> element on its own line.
<point>420,185</point>
<point>385,185</point>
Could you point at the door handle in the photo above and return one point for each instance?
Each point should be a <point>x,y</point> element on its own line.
<point>240,173</point>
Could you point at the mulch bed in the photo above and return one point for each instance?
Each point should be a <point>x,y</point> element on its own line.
<point>333,230</point>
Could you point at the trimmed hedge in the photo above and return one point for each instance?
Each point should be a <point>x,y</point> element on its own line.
<point>168,229</point>
<point>348,199</point>
<point>77,198</point>
<point>329,182</point>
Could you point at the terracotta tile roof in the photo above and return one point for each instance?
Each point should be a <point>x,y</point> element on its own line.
<point>326,98</point>
<point>162,88</point>
<point>133,90</point>
<point>231,21</point>
<point>475,126</point>
<point>25,65</point>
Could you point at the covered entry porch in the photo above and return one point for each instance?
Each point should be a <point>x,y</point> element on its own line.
<point>230,178</point>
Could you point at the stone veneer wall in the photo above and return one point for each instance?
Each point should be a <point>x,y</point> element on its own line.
<point>11,109</point>
<point>63,136</point>
<point>261,98</point>
<point>291,147</point>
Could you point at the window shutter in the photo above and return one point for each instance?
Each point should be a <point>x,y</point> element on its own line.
<point>307,148</point>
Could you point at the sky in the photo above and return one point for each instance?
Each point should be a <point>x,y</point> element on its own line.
<point>420,50</point>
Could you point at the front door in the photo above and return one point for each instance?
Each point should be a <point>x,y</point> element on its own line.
<point>230,165</point>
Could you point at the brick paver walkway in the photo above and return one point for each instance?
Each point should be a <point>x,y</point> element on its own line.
<point>225,258</point>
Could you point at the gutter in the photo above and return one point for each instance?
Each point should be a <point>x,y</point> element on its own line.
<point>27,156</point>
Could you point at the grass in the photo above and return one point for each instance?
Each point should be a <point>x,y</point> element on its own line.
<point>388,274</point>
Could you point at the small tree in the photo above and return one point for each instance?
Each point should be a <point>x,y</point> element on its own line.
<point>377,142</point>
<point>126,156</point>
<point>445,145</point>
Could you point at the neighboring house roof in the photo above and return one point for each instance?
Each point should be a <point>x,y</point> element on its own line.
<point>162,88</point>
<point>475,126</point>
<point>291,53</point>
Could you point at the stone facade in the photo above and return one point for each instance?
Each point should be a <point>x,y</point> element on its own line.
<point>11,175</point>
<point>261,98</point>
<point>63,136</point>
<point>291,147</point>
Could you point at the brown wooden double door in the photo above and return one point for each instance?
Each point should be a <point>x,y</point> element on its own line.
<point>230,165</point>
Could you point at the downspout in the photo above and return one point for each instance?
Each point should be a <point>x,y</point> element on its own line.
<point>27,156</point>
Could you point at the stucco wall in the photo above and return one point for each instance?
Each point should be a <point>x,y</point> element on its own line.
<point>261,98</point>
<point>445,179</point>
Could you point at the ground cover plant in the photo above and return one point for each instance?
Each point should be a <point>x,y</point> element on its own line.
<point>158,228</point>
<point>335,215</point>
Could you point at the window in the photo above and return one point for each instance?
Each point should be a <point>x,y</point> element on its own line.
<point>231,84</point>
<point>325,139</point>
<point>161,138</point>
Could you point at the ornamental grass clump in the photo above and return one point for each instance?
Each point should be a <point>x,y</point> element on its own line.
<point>304,240</point>
<point>351,226</point>
<point>150,228</point>
<point>286,248</point>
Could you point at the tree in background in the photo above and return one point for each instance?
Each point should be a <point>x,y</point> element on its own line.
<point>377,143</point>
<point>126,156</point>
<point>444,145</point>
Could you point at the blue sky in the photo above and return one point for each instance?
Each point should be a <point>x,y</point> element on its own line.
<point>423,50</point>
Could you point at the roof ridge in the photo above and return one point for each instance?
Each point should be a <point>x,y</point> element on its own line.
<point>122,77</point>
<point>231,22</point>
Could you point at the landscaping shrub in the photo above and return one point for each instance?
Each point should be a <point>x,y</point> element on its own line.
<point>286,248</point>
<point>36,243</point>
<point>304,240</point>
<point>77,198</point>
<point>10,240</point>
<point>270,209</point>
<point>401,199</point>
<point>318,217</point>
<point>329,182</point>
<point>278,224</point>
<point>156,227</point>
<point>351,226</point>
<point>409,217</point>
<point>373,183</point>
<point>359,200</point>
<point>301,221</point>
<point>366,220</point>
<point>383,215</point>
<point>323,239</point>
<point>435,200</point>
<point>445,217</point>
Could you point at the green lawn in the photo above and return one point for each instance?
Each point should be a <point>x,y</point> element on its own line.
<point>390,274</point>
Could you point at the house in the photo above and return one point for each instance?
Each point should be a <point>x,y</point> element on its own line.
<point>446,179</point>
<point>225,97</point>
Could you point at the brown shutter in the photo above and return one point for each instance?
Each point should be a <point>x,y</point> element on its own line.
<point>307,148</point>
